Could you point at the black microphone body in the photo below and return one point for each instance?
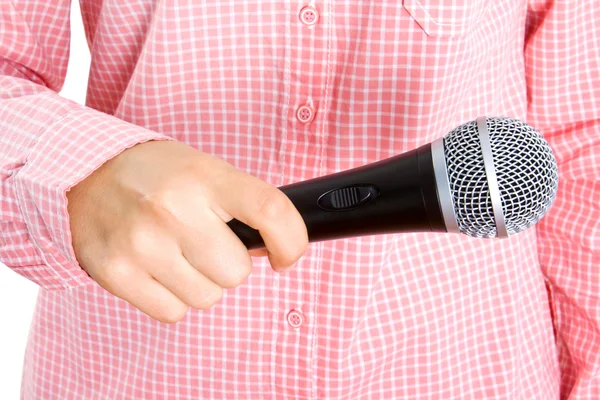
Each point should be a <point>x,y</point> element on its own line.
<point>493,177</point>
<point>398,194</point>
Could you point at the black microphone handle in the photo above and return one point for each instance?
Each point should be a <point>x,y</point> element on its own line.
<point>397,194</point>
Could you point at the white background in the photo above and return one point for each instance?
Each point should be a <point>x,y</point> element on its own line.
<point>17,294</point>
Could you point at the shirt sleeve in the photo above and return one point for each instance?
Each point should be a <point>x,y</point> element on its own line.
<point>562,61</point>
<point>47,143</point>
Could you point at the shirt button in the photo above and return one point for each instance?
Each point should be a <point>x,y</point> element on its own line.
<point>295,318</point>
<point>309,16</point>
<point>305,114</point>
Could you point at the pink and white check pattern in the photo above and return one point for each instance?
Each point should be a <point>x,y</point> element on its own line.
<point>434,316</point>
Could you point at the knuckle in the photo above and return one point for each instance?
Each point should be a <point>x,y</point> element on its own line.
<point>172,314</point>
<point>237,275</point>
<point>208,299</point>
<point>169,196</point>
<point>288,259</point>
<point>273,204</point>
<point>115,273</point>
<point>164,197</point>
<point>142,240</point>
<point>300,249</point>
<point>292,251</point>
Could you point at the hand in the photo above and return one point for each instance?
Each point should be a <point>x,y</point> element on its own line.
<point>150,227</point>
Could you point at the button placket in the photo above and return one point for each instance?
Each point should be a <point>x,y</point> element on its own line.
<point>305,77</point>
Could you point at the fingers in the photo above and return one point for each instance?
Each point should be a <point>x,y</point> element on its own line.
<point>167,271</point>
<point>215,251</point>
<point>187,283</point>
<point>267,209</point>
<point>137,287</point>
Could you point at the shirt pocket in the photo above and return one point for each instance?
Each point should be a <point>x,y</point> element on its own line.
<point>445,18</point>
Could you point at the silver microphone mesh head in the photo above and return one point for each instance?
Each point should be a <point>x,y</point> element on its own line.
<point>526,172</point>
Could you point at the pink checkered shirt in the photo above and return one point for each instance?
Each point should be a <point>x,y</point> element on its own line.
<point>407,316</point>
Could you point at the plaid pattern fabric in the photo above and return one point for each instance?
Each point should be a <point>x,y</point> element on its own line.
<point>290,90</point>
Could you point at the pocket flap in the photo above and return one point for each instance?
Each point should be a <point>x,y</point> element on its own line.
<point>446,17</point>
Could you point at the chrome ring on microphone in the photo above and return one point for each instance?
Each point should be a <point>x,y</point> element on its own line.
<point>443,185</point>
<point>490,171</point>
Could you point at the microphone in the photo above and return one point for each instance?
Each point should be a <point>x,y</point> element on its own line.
<point>492,177</point>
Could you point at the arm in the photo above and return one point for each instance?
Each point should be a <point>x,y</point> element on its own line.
<point>562,60</point>
<point>82,198</point>
<point>47,143</point>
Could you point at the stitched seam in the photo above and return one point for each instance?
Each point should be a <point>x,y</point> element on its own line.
<point>418,3</point>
